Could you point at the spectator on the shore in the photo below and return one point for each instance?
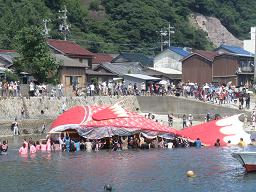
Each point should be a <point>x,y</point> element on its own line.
<point>15,127</point>
<point>190,119</point>
<point>60,90</point>
<point>184,121</point>
<point>208,117</point>
<point>170,119</point>
<point>247,101</point>
<point>23,113</point>
<point>32,89</point>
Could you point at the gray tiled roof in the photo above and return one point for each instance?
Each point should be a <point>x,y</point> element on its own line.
<point>123,68</point>
<point>135,57</point>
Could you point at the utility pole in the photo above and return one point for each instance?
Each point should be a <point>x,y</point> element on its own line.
<point>170,31</point>
<point>254,55</point>
<point>64,26</point>
<point>163,33</point>
<point>46,30</point>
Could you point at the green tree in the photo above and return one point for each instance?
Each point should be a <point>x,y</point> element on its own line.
<point>35,56</point>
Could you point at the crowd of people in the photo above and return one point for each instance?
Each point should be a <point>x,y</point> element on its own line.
<point>209,92</point>
<point>9,89</point>
<point>115,143</point>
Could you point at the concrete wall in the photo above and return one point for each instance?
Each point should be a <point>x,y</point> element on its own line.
<point>10,108</point>
<point>180,106</point>
<point>52,106</point>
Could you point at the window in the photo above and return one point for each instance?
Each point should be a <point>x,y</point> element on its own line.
<point>73,80</point>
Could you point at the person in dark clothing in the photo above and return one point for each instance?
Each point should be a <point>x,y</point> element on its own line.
<point>208,117</point>
<point>247,101</point>
<point>217,144</point>
<point>184,121</point>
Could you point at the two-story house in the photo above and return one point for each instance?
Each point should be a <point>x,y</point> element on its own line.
<point>75,61</point>
<point>214,66</point>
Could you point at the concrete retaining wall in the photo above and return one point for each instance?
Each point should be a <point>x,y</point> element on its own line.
<point>51,106</point>
<point>180,106</point>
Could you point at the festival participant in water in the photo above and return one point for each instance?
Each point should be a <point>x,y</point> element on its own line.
<point>97,145</point>
<point>88,145</point>
<point>38,146</point>
<point>23,150</point>
<point>72,146</point>
<point>48,145</point>
<point>124,141</point>
<point>242,143</point>
<point>43,145</point>
<point>142,141</point>
<point>25,142</point>
<point>32,148</point>
<point>82,145</point>
<point>61,143</point>
<point>4,147</point>
<point>161,143</point>
<point>77,145</point>
<point>217,143</point>
<point>198,143</point>
<point>115,144</point>
<point>67,143</point>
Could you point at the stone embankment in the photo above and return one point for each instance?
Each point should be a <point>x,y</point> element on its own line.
<point>41,111</point>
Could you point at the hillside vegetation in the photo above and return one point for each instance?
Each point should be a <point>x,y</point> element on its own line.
<point>130,25</point>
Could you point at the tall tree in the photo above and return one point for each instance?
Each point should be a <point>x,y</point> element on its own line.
<point>35,56</point>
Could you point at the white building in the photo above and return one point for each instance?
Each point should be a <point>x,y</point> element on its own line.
<point>249,45</point>
<point>170,58</point>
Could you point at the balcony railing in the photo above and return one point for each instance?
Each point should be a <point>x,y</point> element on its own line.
<point>247,69</point>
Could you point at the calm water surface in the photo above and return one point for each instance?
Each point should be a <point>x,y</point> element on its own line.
<point>128,171</point>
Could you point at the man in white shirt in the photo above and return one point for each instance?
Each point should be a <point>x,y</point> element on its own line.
<point>92,89</point>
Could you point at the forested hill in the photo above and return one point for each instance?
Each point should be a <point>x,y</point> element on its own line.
<point>130,25</point>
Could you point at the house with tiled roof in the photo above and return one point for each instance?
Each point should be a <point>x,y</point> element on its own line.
<point>120,69</point>
<point>75,60</point>
<point>72,50</point>
<point>233,49</point>
<point>170,58</point>
<point>134,57</point>
<point>100,58</point>
<point>7,57</point>
<point>214,66</point>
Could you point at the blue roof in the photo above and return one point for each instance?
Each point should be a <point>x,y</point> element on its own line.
<point>180,51</point>
<point>235,49</point>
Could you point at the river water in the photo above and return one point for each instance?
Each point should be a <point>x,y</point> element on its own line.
<point>126,171</point>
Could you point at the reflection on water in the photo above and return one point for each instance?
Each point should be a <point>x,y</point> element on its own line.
<point>148,170</point>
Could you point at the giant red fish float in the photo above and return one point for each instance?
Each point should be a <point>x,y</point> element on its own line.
<point>105,121</point>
